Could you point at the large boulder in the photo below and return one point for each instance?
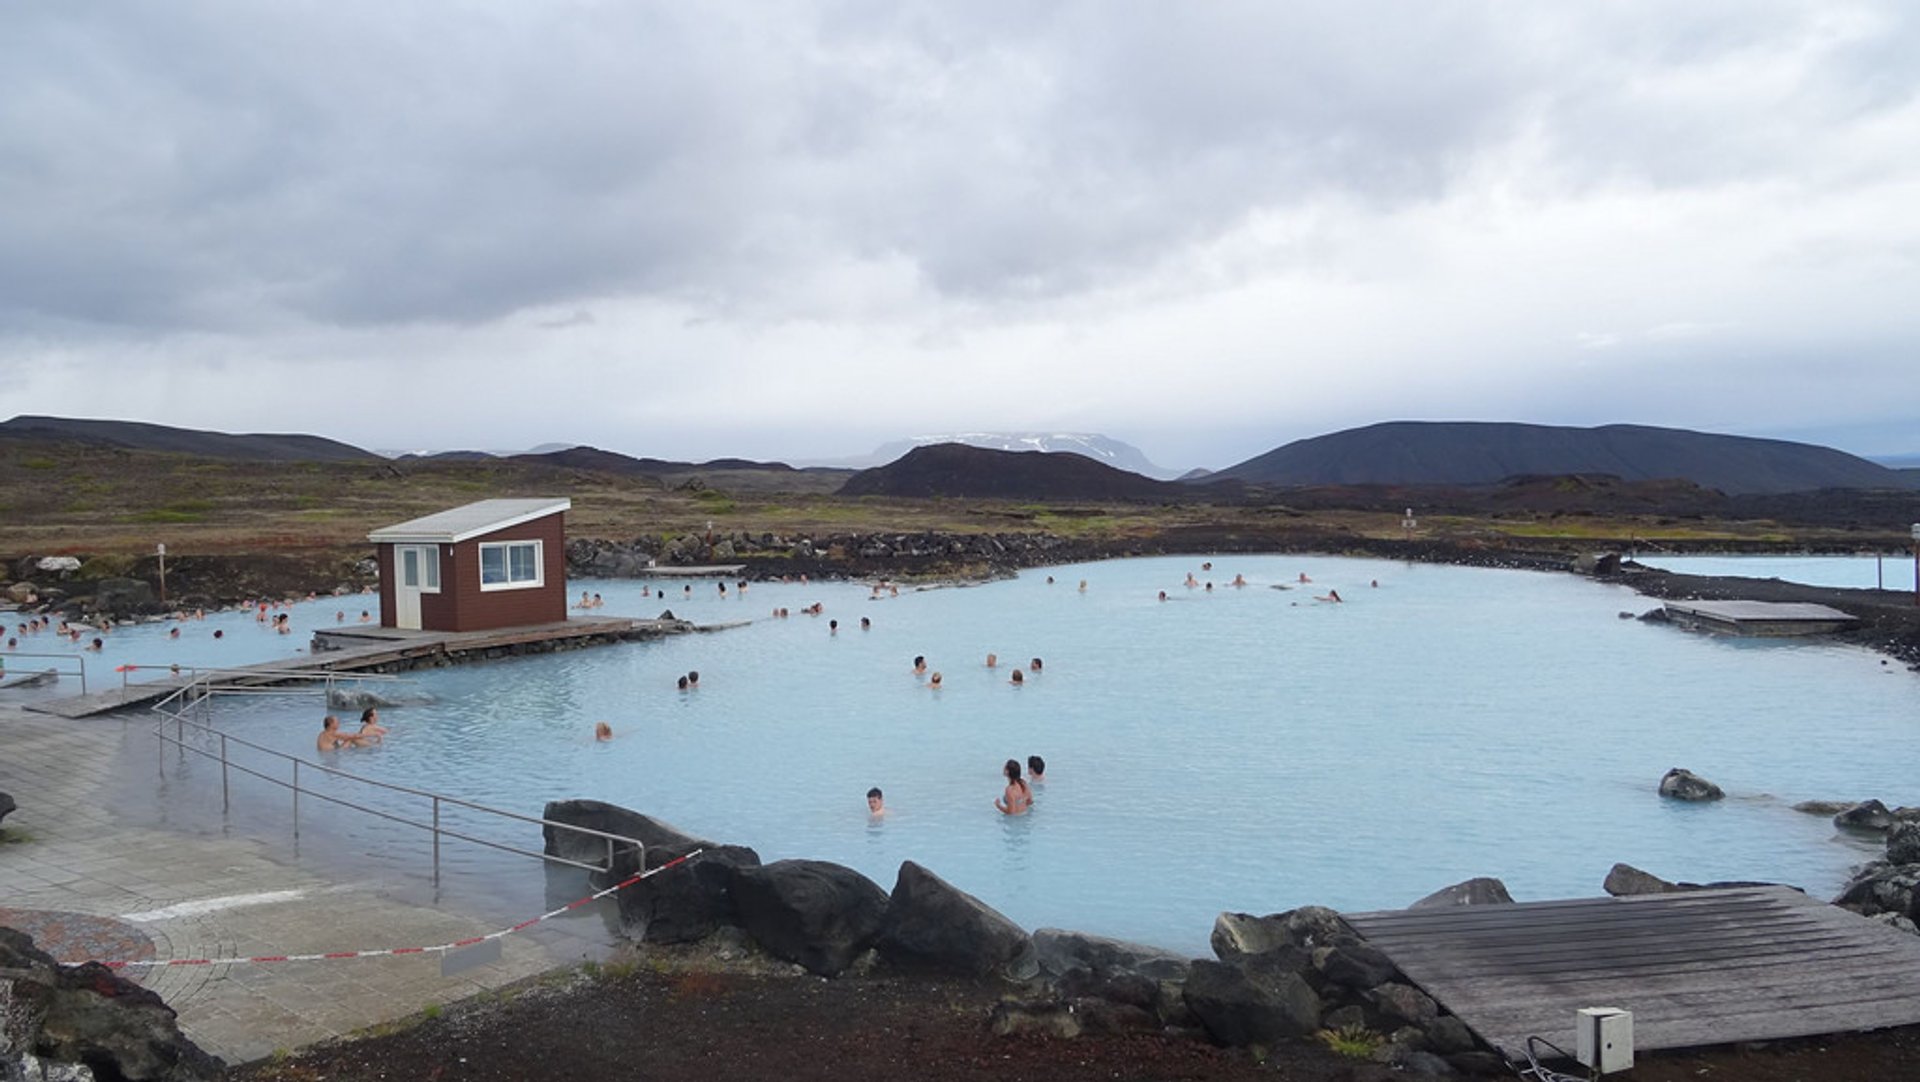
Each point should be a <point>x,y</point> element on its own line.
<point>1625,879</point>
<point>1355,964</point>
<point>688,903</point>
<point>1866,815</point>
<point>91,1018</point>
<point>7,805</point>
<point>1309,926</point>
<point>23,593</point>
<point>1251,1001</point>
<point>1480,890</point>
<point>1683,784</point>
<point>122,596</point>
<point>608,819</point>
<point>932,924</point>
<point>818,914</point>
<point>1059,952</point>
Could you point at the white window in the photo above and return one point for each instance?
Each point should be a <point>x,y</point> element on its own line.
<point>511,565</point>
<point>420,568</point>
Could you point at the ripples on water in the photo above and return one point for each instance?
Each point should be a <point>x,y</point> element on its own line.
<point>1242,749</point>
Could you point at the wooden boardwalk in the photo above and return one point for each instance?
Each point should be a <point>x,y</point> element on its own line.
<point>1759,617</point>
<point>358,648</point>
<point>1695,968</point>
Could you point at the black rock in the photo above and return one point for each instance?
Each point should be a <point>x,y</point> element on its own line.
<point>1356,966</point>
<point>1625,879</point>
<point>89,1015</point>
<point>1480,890</point>
<point>687,903</point>
<point>1866,815</point>
<point>818,914</point>
<point>7,805</point>
<point>1903,842</point>
<point>1235,934</point>
<point>1250,1002</point>
<point>932,924</point>
<point>608,819</point>
<point>1683,784</point>
<point>1060,951</point>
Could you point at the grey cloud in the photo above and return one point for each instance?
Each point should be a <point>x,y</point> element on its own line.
<point>211,165</point>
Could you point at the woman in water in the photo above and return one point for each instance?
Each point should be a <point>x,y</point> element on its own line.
<point>1018,797</point>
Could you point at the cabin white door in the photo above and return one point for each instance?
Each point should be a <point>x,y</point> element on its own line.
<point>412,563</point>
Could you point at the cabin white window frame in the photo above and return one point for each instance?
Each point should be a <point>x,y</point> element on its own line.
<point>507,564</point>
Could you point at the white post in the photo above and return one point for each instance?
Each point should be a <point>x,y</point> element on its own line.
<point>162,547</point>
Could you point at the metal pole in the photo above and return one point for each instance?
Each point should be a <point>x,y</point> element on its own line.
<point>436,841</point>
<point>296,798</point>
<point>223,772</point>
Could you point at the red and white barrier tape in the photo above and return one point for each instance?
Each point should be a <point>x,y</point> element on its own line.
<point>440,948</point>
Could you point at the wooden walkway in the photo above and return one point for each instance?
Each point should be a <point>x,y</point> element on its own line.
<point>1695,968</point>
<point>357,648</point>
<point>1759,617</point>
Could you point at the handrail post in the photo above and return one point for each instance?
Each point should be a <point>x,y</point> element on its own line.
<point>436,840</point>
<point>224,799</point>
<point>296,798</point>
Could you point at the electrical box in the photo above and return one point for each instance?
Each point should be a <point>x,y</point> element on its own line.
<point>1605,1039</point>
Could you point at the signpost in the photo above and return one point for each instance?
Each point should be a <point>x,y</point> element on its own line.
<point>163,567</point>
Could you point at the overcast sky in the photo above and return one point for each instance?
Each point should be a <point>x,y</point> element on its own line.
<point>799,230</point>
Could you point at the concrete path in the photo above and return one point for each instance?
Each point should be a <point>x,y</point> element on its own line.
<point>227,894</point>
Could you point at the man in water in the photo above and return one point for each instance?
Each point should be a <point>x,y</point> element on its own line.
<point>331,738</point>
<point>876,803</point>
<point>370,728</point>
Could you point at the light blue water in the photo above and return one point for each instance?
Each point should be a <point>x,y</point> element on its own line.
<point>1893,572</point>
<point>1246,749</point>
<point>152,650</point>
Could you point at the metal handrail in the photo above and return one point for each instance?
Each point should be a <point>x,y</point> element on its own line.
<point>207,689</point>
<point>78,659</point>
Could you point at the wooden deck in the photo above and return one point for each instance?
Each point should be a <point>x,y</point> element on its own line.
<point>1695,968</point>
<point>1758,617</point>
<point>358,648</point>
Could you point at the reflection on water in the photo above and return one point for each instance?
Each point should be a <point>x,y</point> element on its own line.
<point>1246,749</point>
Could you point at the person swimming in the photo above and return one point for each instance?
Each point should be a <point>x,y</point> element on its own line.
<point>1036,768</point>
<point>876,802</point>
<point>993,660</point>
<point>1018,796</point>
<point>933,682</point>
<point>602,731</point>
<point>919,664</point>
<point>1018,678</point>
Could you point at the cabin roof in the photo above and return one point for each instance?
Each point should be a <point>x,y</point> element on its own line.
<point>461,523</point>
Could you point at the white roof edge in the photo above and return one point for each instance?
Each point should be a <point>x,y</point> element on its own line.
<point>421,530</point>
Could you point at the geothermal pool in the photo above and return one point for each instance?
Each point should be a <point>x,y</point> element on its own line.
<point>1243,748</point>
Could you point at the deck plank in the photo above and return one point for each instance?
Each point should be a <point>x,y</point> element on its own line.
<point>1698,967</point>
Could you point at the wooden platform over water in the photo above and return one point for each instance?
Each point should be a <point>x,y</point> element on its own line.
<point>1695,968</point>
<point>1758,617</point>
<point>363,648</point>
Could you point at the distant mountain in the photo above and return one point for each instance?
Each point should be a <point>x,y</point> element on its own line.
<point>1483,453</point>
<point>1897,462</point>
<point>955,469</point>
<point>140,436</point>
<point>593,458</point>
<point>1112,452</point>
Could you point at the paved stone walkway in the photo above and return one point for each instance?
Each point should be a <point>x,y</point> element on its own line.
<point>222,895</point>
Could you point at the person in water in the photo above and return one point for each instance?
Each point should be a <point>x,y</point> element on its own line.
<point>1018,796</point>
<point>370,728</point>
<point>602,731</point>
<point>1036,768</point>
<point>331,738</point>
<point>876,802</point>
<point>1018,678</point>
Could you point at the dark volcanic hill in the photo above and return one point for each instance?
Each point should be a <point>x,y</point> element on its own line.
<point>593,458</point>
<point>1483,453</point>
<point>140,436</point>
<point>956,469</point>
